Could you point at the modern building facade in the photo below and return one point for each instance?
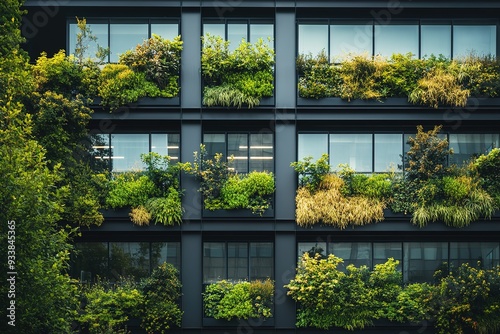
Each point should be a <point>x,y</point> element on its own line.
<point>369,135</point>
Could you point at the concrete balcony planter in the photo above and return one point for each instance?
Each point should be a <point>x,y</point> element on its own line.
<point>143,102</point>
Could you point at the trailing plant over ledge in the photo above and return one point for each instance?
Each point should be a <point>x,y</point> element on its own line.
<point>338,200</point>
<point>433,82</point>
<point>222,188</point>
<point>153,194</point>
<point>240,300</point>
<point>236,78</point>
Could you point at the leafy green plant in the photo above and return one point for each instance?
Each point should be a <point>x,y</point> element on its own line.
<point>241,300</point>
<point>328,296</point>
<point>360,76</point>
<point>130,189</point>
<point>237,78</point>
<point>487,167</point>
<point>159,60</point>
<point>161,291</point>
<point>311,173</point>
<point>107,308</point>
<point>399,78</point>
<point>166,210</point>
<point>224,189</point>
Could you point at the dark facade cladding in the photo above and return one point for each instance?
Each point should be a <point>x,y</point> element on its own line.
<point>269,245</point>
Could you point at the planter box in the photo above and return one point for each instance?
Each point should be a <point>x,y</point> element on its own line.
<point>243,323</point>
<point>237,213</point>
<point>143,102</point>
<point>264,103</point>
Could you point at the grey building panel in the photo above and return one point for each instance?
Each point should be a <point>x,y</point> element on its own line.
<point>284,313</point>
<point>285,154</point>
<point>191,276</point>
<point>285,59</point>
<point>190,142</point>
<point>191,61</point>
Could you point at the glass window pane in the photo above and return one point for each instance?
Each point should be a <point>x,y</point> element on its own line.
<point>129,259</point>
<point>165,30</point>
<point>436,40</point>
<point>390,39</point>
<point>312,144</point>
<point>261,260</point>
<point>261,152</point>
<point>215,143</point>
<point>356,253</point>
<point>125,36</point>
<point>237,261</point>
<point>262,31</point>
<point>382,251</point>
<point>214,262</point>
<point>422,259</point>
<point>479,40</point>
<point>388,151</point>
<point>312,248</point>
<point>166,144</point>
<point>469,146</point>
<point>99,30</point>
<point>127,150</point>
<point>348,39</point>
<point>487,253</point>
<point>100,152</point>
<point>313,38</point>
<point>352,149</point>
<point>90,261</point>
<point>236,32</point>
<point>215,29</point>
<point>237,146</point>
<point>166,252</point>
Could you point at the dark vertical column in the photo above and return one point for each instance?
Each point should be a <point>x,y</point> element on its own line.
<point>190,142</point>
<point>286,47</point>
<point>286,148</point>
<point>286,260</point>
<point>191,247</point>
<point>191,58</point>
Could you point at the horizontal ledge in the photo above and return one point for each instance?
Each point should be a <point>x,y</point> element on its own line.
<point>241,323</point>
<point>472,103</point>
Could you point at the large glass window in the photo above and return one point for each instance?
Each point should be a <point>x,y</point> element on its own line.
<point>348,39</point>
<point>471,145</point>
<point>397,38</point>
<point>479,40</point>
<point>422,259</point>
<point>338,39</point>
<point>112,260</point>
<point>237,261</point>
<point>435,40</point>
<point>485,253</point>
<point>124,150</point>
<point>385,250</point>
<point>237,30</point>
<point>250,151</point>
<point>356,253</point>
<point>120,36</point>
<point>352,149</point>
<point>387,151</point>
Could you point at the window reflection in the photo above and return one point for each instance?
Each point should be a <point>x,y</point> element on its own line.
<point>390,39</point>
<point>352,149</point>
<point>479,40</point>
<point>436,40</point>
<point>125,37</point>
<point>348,39</point>
<point>313,38</point>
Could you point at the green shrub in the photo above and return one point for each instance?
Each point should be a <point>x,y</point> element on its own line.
<point>162,291</point>
<point>401,74</point>
<point>159,60</point>
<point>360,78</point>
<point>237,78</point>
<point>119,85</point>
<point>487,167</point>
<point>107,309</point>
<point>318,79</point>
<point>130,189</point>
<point>311,173</point>
<point>242,300</point>
<point>166,210</point>
<point>415,303</point>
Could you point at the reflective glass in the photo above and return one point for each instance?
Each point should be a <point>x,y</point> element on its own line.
<point>382,251</point>
<point>261,260</point>
<point>388,151</point>
<point>471,145</point>
<point>261,152</point>
<point>99,30</point>
<point>166,144</point>
<point>237,146</point>
<point>214,261</point>
<point>352,149</point>
<point>129,259</point>
<point>215,29</point>
<point>348,39</point>
<point>479,40</point>
<point>127,150</point>
<point>236,33</point>
<point>169,252</point>
<point>313,38</point>
<point>356,253</point>
<point>262,31</point>
<point>165,30</point>
<point>237,261</point>
<point>390,39</point>
<point>486,253</point>
<point>215,143</point>
<point>125,36</point>
<point>422,259</point>
<point>435,40</point>
<point>312,248</point>
<point>90,261</point>
<point>312,144</point>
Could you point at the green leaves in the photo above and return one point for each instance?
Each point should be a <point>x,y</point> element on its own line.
<point>241,300</point>
<point>238,78</point>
